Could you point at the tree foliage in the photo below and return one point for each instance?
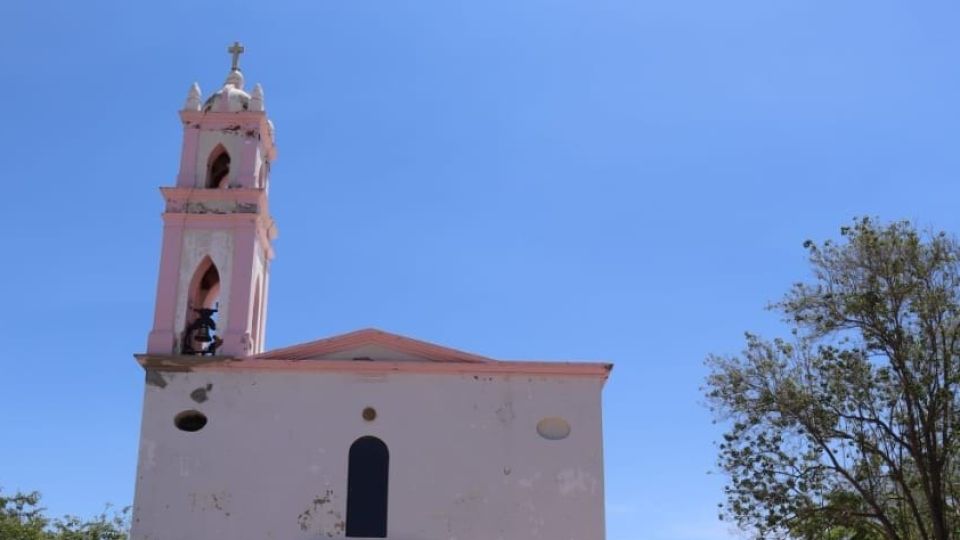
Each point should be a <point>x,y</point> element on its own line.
<point>848,429</point>
<point>22,518</point>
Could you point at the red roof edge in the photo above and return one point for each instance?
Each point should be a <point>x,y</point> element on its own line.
<point>372,336</point>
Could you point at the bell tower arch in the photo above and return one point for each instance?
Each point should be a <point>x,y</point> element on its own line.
<point>217,229</point>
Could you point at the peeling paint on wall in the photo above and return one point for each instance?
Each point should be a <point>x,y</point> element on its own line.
<point>155,378</point>
<point>573,481</point>
<point>200,394</point>
<point>211,207</point>
<point>505,413</point>
<point>320,513</point>
<point>216,501</point>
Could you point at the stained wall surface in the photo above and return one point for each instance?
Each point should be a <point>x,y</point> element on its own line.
<point>466,460</point>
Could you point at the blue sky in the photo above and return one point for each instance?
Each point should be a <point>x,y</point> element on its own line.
<point>616,180</point>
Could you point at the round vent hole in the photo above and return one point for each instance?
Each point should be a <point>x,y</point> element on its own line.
<point>553,428</point>
<point>190,421</point>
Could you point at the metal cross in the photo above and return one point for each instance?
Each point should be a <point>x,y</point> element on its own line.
<point>236,50</point>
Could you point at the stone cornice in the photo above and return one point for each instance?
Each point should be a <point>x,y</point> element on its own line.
<point>242,120</point>
<point>177,363</point>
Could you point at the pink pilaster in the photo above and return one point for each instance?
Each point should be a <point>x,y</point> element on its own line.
<point>162,337</point>
<point>264,295</point>
<point>188,156</point>
<point>248,163</point>
<point>236,341</point>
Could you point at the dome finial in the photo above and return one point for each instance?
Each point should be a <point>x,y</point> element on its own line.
<point>193,98</point>
<point>235,79</point>
<point>256,98</point>
<point>235,51</point>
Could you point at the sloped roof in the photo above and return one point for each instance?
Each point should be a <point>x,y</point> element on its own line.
<point>372,351</point>
<point>371,344</point>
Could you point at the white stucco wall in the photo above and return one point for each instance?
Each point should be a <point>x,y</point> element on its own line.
<point>466,461</point>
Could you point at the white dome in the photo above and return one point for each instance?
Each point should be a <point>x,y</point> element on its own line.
<point>230,98</point>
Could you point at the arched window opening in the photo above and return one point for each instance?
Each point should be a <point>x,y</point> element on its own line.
<point>218,168</point>
<point>200,334</point>
<point>367,475</point>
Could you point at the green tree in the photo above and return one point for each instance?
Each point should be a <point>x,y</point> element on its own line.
<point>22,518</point>
<point>848,428</point>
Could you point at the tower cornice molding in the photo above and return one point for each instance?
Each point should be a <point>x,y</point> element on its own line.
<point>254,195</point>
<point>209,203</point>
<point>245,123</point>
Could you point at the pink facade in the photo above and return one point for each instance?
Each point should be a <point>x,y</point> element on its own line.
<point>363,435</point>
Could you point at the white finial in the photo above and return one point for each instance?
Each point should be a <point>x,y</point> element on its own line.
<point>256,98</point>
<point>193,98</point>
<point>235,79</point>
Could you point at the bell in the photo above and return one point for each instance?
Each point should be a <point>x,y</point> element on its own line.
<point>203,335</point>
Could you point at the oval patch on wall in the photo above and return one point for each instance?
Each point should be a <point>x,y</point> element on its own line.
<point>553,428</point>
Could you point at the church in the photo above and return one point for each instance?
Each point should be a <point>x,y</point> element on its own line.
<point>362,435</point>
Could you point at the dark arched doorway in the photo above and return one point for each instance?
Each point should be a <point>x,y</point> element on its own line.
<point>367,476</point>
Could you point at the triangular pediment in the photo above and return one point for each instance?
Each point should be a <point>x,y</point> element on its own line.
<point>374,346</point>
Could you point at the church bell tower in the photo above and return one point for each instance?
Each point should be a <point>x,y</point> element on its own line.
<point>217,229</point>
